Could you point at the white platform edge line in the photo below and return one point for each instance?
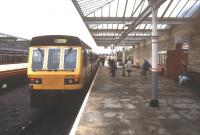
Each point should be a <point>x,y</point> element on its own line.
<point>78,118</point>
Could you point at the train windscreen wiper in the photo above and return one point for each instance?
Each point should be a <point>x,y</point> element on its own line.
<point>40,52</point>
<point>70,49</point>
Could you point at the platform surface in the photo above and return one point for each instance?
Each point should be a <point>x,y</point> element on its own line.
<point>8,67</point>
<point>120,106</point>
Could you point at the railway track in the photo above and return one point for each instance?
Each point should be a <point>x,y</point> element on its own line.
<point>52,121</point>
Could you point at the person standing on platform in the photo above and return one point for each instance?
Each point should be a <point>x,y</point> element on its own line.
<point>109,60</point>
<point>145,67</point>
<point>103,61</point>
<point>112,67</point>
<point>129,66</point>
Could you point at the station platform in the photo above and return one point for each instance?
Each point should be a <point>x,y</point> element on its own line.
<point>10,70</point>
<point>120,106</point>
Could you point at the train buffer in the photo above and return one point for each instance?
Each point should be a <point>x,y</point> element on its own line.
<point>120,106</point>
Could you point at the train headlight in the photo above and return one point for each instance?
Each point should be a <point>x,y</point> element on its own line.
<point>72,80</point>
<point>35,80</point>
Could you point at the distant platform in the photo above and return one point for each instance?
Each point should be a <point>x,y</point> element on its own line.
<point>10,70</point>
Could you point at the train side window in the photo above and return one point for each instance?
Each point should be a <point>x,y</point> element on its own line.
<point>84,58</point>
<point>37,59</point>
<point>89,57</point>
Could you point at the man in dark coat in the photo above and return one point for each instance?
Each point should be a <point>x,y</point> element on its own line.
<point>112,67</point>
<point>145,67</point>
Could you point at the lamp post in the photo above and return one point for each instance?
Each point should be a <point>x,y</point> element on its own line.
<point>112,50</point>
<point>123,55</point>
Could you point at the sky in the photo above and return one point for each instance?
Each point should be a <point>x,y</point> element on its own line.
<point>29,18</point>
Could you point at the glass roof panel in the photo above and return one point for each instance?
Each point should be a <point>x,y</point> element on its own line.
<point>137,27</point>
<point>113,8</point>
<point>195,7</point>
<point>142,26</point>
<point>187,8</point>
<point>121,8</point>
<point>137,3</point>
<point>109,26</point>
<point>98,13</point>
<point>141,8</point>
<point>100,26</point>
<point>163,26</point>
<point>105,26</point>
<point>162,8</point>
<point>106,11</point>
<point>171,8</point>
<point>178,8</point>
<point>114,26</point>
<point>130,6</point>
<point>120,26</point>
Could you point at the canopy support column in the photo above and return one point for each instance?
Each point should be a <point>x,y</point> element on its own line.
<point>154,87</point>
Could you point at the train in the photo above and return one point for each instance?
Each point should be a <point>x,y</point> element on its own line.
<point>12,56</point>
<point>59,65</point>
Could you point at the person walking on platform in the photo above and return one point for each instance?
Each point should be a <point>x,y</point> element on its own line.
<point>129,67</point>
<point>112,67</point>
<point>145,67</point>
<point>103,60</point>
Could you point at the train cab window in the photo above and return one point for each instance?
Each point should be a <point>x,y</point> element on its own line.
<point>53,59</point>
<point>37,59</point>
<point>70,59</point>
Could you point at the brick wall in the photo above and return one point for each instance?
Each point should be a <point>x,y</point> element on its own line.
<point>194,54</point>
<point>166,41</point>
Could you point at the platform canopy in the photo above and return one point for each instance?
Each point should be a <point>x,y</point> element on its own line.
<point>129,21</point>
<point>9,41</point>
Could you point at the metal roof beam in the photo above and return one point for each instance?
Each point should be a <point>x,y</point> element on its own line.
<point>121,20</point>
<point>138,31</point>
<point>127,38</point>
<point>78,8</point>
<point>143,15</point>
<point>120,44</point>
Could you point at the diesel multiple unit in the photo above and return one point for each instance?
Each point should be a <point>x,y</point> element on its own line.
<point>59,65</point>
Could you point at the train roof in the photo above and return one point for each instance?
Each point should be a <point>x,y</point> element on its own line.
<point>57,40</point>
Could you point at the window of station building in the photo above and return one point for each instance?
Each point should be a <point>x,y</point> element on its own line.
<point>37,59</point>
<point>53,59</point>
<point>70,59</point>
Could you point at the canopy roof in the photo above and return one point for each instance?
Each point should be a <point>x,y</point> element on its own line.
<point>9,41</point>
<point>129,21</point>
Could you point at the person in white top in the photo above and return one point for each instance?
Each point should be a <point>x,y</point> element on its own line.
<point>129,67</point>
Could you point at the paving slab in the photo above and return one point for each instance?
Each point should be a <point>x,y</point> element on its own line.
<point>120,106</point>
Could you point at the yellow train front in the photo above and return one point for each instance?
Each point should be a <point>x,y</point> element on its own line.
<point>58,65</point>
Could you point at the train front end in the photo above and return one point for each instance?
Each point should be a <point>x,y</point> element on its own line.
<point>54,71</point>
